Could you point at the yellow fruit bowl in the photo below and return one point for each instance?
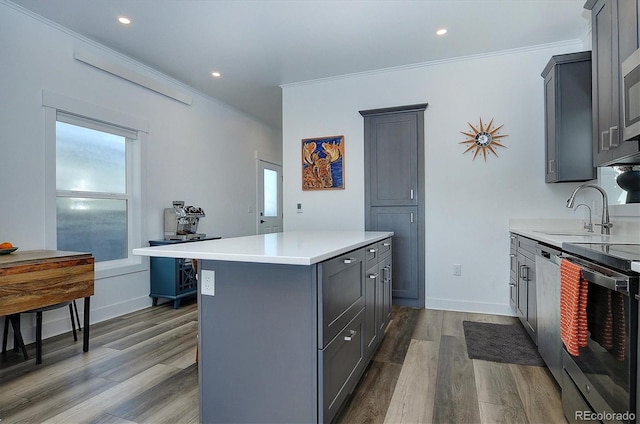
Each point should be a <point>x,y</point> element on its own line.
<point>8,250</point>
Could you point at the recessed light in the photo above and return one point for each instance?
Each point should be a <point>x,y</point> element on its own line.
<point>441,31</point>
<point>124,20</point>
<point>216,74</point>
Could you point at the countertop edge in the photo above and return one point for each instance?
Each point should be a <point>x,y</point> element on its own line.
<point>182,251</point>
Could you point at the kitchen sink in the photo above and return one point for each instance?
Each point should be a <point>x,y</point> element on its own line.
<point>571,233</point>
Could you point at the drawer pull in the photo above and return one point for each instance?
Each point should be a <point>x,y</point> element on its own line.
<point>512,284</point>
<point>348,338</point>
<point>348,261</point>
<point>373,276</point>
<point>386,244</point>
<point>373,250</point>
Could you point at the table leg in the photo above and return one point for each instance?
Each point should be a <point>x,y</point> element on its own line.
<point>85,333</point>
<point>18,342</point>
<point>38,338</point>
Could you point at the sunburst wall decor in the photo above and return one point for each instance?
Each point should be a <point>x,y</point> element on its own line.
<point>483,139</point>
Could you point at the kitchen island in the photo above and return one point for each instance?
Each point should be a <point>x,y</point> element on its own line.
<point>290,322</point>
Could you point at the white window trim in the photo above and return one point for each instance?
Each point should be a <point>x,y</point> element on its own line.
<point>53,103</point>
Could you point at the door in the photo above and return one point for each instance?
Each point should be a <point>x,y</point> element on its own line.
<point>394,160</point>
<point>403,221</point>
<point>269,198</point>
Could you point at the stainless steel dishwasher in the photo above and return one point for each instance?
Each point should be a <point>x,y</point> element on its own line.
<point>548,300</point>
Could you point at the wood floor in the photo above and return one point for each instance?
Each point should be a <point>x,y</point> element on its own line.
<point>141,369</point>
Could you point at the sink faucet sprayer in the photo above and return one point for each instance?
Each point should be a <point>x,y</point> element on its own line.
<point>606,225</point>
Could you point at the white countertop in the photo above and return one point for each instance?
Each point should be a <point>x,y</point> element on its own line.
<point>556,235</point>
<point>554,238</point>
<point>291,247</point>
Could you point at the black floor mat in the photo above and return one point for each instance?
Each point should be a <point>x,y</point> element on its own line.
<point>500,343</point>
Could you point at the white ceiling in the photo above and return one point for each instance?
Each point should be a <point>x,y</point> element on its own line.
<point>259,45</point>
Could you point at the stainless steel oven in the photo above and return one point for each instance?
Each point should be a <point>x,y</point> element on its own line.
<point>599,384</point>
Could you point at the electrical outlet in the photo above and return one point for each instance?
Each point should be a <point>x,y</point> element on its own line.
<point>208,282</point>
<point>299,208</point>
<point>457,270</point>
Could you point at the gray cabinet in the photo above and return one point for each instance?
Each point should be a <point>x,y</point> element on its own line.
<point>525,294</point>
<point>378,294</point>
<point>615,35</point>
<point>341,292</point>
<point>513,275</point>
<point>406,241</point>
<point>340,365</point>
<point>289,343</point>
<point>394,192</point>
<point>393,175</point>
<point>568,118</point>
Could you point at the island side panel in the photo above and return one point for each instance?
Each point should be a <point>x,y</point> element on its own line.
<point>258,344</point>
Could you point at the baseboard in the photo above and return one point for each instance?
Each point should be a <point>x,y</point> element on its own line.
<point>58,322</point>
<point>466,306</point>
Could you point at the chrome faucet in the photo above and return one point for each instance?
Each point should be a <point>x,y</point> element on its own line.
<point>606,225</point>
<point>589,226</point>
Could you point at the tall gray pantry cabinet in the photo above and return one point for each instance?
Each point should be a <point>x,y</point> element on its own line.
<point>394,192</point>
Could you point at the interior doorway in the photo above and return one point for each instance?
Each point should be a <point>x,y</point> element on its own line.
<point>269,202</point>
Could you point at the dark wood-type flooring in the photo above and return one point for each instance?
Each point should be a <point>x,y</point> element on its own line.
<point>141,369</point>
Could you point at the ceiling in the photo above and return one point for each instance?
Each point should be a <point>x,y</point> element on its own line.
<point>259,45</point>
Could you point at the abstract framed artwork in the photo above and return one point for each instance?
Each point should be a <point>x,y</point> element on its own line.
<point>323,163</point>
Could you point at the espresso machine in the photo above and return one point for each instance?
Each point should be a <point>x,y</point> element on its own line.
<point>181,222</point>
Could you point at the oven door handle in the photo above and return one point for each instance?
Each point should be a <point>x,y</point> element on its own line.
<point>611,283</point>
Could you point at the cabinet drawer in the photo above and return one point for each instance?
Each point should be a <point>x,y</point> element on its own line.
<point>341,362</point>
<point>384,247</point>
<point>341,293</point>
<point>372,254</point>
<point>527,247</point>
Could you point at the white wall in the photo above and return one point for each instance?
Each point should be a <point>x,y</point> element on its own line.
<point>203,154</point>
<point>468,202</point>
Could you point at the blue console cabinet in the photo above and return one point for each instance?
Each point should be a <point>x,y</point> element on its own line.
<point>172,278</point>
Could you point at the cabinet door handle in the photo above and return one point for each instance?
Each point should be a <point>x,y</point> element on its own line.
<point>552,166</point>
<point>351,334</point>
<point>386,244</point>
<point>411,194</point>
<point>512,255</point>
<point>512,284</point>
<point>412,217</point>
<point>602,138</point>
<point>373,276</point>
<point>348,260</point>
<point>523,272</point>
<point>613,141</point>
<point>373,250</point>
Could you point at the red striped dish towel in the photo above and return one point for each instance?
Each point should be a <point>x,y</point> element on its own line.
<point>573,307</point>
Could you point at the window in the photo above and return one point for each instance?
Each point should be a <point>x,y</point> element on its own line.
<point>94,183</point>
<point>270,206</point>
<point>92,191</point>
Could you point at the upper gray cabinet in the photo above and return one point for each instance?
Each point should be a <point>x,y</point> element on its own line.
<point>616,34</point>
<point>394,160</point>
<point>567,106</point>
